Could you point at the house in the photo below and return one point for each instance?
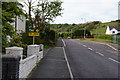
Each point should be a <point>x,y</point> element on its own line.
<point>112,30</point>
<point>20,24</point>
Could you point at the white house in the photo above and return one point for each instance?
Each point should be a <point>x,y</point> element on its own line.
<point>20,24</point>
<point>112,30</point>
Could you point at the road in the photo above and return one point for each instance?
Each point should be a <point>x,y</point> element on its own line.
<point>91,60</point>
<point>74,59</point>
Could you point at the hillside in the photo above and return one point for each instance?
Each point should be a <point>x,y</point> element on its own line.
<point>102,28</point>
<point>95,27</point>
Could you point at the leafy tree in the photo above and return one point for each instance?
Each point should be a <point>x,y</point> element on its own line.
<point>9,11</point>
<point>47,11</point>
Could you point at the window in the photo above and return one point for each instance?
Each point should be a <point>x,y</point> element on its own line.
<point>113,31</point>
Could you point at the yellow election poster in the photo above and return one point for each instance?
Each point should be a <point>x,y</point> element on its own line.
<point>33,34</point>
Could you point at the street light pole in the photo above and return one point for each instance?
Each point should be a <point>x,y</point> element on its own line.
<point>84,27</point>
<point>84,32</point>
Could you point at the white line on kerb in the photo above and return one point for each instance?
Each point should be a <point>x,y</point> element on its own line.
<point>100,53</point>
<point>114,60</point>
<point>90,49</point>
<point>68,65</point>
<point>64,43</point>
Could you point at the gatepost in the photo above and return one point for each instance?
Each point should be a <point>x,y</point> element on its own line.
<point>10,63</point>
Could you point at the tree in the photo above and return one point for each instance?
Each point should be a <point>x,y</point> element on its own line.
<point>81,33</point>
<point>46,11</point>
<point>30,6</point>
<point>9,11</point>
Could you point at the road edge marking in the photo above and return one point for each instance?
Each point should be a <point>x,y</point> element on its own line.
<point>106,45</point>
<point>112,47</point>
<point>68,65</point>
<point>64,43</point>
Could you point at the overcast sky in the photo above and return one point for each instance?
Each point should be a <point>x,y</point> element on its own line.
<point>88,10</point>
<point>80,11</point>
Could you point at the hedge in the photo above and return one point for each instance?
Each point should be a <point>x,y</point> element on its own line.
<point>48,37</point>
<point>108,37</point>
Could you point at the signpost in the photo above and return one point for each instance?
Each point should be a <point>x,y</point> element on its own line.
<point>32,33</point>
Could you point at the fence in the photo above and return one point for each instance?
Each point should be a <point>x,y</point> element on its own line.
<point>17,67</point>
<point>116,39</point>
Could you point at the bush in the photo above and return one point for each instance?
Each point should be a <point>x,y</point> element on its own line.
<point>16,41</point>
<point>108,37</point>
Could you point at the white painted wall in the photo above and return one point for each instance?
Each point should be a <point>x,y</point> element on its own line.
<point>26,65</point>
<point>108,30</point>
<point>114,31</point>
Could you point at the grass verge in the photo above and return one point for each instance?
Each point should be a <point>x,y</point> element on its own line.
<point>97,39</point>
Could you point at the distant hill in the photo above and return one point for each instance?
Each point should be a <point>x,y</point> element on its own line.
<point>95,27</point>
<point>102,28</point>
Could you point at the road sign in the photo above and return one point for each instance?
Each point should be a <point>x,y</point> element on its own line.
<point>33,34</point>
<point>31,30</point>
<point>36,30</point>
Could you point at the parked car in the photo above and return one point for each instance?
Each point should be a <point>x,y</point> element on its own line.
<point>68,37</point>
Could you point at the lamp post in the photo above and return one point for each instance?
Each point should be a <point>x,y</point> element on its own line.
<point>84,27</point>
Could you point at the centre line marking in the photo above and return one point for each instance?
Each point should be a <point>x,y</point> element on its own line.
<point>84,45</point>
<point>100,53</point>
<point>114,60</point>
<point>90,49</point>
<point>68,65</point>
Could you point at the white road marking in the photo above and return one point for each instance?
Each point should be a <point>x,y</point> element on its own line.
<point>68,65</point>
<point>100,53</point>
<point>114,60</point>
<point>64,43</point>
<point>90,49</point>
<point>84,45</point>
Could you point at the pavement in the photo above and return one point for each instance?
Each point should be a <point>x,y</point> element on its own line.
<point>53,65</point>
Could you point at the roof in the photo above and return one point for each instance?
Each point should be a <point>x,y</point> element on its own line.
<point>116,27</point>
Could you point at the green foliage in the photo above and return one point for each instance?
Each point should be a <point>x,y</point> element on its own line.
<point>46,37</point>
<point>47,11</point>
<point>16,41</point>
<point>81,33</point>
<point>107,37</point>
<point>9,11</point>
<point>65,34</point>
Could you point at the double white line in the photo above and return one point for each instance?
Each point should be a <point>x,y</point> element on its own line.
<point>68,65</point>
